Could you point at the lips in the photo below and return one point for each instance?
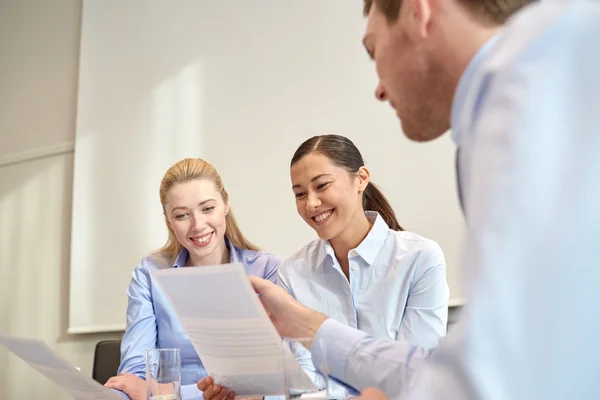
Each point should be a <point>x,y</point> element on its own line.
<point>323,217</point>
<point>202,240</point>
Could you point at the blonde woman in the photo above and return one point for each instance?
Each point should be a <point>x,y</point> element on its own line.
<point>202,231</point>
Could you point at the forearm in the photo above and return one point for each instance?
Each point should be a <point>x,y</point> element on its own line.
<point>308,324</point>
<point>360,361</point>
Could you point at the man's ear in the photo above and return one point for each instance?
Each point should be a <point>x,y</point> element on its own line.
<point>416,16</point>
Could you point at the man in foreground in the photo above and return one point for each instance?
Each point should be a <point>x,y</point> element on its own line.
<point>523,107</point>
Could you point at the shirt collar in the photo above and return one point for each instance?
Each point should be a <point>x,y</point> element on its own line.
<point>234,252</point>
<point>464,84</point>
<point>183,254</point>
<point>367,249</point>
<point>181,258</point>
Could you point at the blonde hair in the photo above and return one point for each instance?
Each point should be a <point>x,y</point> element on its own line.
<point>187,170</point>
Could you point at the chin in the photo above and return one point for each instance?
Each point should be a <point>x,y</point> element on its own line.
<point>421,134</point>
<point>326,234</point>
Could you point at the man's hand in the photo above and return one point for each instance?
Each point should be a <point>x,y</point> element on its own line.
<point>129,384</point>
<point>371,394</point>
<point>291,319</point>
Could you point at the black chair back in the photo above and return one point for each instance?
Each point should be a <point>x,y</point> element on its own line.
<point>107,358</point>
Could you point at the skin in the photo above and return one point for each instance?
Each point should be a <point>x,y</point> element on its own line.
<point>420,58</point>
<point>321,189</point>
<point>194,211</point>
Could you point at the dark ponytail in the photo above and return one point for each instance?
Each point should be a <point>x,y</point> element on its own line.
<point>343,153</point>
<point>374,200</point>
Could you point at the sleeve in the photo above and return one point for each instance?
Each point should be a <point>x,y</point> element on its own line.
<point>283,278</point>
<point>141,331</point>
<point>360,361</point>
<point>272,268</point>
<point>122,394</point>
<point>426,312</point>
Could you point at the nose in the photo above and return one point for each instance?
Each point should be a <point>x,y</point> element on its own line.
<point>380,93</point>
<point>198,224</point>
<point>312,202</point>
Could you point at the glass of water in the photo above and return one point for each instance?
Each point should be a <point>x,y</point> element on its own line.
<point>298,383</point>
<point>163,374</point>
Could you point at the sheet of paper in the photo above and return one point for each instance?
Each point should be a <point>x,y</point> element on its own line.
<point>55,368</point>
<point>229,328</point>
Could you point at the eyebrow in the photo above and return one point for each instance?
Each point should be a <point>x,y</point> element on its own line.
<point>185,208</point>
<point>312,180</point>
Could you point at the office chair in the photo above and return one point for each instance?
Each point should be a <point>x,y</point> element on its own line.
<point>107,358</point>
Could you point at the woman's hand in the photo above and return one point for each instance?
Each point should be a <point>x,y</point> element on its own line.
<point>129,384</point>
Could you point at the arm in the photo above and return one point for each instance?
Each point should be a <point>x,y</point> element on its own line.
<point>351,356</point>
<point>272,268</point>
<point>141,332</point>
<point>426,312</point>
<point>140,335</point>
<point>361,361</point>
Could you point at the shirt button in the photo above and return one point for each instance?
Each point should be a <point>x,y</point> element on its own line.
<point>353,268</point>
<point>353,253</point>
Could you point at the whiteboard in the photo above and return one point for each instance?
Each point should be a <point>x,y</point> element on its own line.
<point>240,84</point>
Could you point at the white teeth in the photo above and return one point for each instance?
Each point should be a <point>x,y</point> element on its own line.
<point>323,216</point>
<point>202,239</point>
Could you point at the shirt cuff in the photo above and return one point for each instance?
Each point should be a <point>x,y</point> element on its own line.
<point>335,341</point>
<point>122,394</point>
<point>190,392</point>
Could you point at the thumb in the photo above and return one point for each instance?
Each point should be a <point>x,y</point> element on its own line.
<point>372,394</point>
<point>259,285</point>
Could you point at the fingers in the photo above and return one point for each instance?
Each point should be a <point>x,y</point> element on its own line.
<point>116,382</point>
<point>204,383</point>
<point>212,391</point>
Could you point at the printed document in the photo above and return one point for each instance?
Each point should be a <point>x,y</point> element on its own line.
<point>229,329</point>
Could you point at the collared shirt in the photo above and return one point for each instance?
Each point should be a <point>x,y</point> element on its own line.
<point>152,323</point>
<point>461,121</point>
<point>396,289</point>
<point>530,328</point>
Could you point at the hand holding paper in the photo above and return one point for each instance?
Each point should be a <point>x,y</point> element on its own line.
<point>230,330</point>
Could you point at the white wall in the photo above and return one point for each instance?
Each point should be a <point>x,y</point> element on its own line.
<point>160,81</point>
<point>39,46</point>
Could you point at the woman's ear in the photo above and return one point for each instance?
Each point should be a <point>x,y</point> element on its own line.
<point>364,177</point>
<point>226,209</point>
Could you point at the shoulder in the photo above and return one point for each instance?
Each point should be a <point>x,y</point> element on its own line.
<point>257,256</point>
<point>524,29</point>
<point>426,251</point>
<point>303,259</point>
<point>305,255</point>
<point>151,262</point>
